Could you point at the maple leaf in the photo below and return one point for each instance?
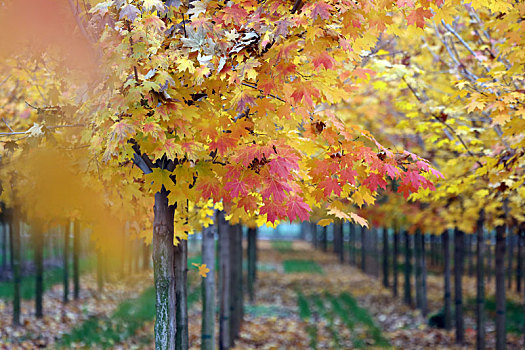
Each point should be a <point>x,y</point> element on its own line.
<point>392,171</point>
<point>273,211</point>
<point>282,166</point>
<point>129,11</point>
<point>236,187</point>
<point>330,185</point>
<point>325,222</point>
<point>203,269</point>
<point>418,16</point>
<point>321,9</point>
<point>348,175</point>
<point>184,64</point>
<point>148,5</point>
<point>305,91</point>
<point>275,188</point>
<point>361,221</point>
<point>323,59</point>
<point>234,14</point>
<point>297,208</point>
<point>159,178</point>
<point>403,3</point>
<point>223,143</point>
<point>373,181</point>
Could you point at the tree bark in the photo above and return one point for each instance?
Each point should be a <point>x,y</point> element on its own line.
<point>519,261</point>
<point>324,239</point>
<point>236,287</point>
<point>500,288</point>
<point>394,263</point>
<point>417,266</point>
<point>510,256</point>
<point>459,241</point>
<point>252,262</point>
<point>385,257</point>
<point>363,249</point>
<point>480,284</point>
<point>315,236</point>
<point>208,289</point>
<point>489,258</point>
<point>408,272</point>
<point>3,224</point>
<point>446,273</point>
<point>351,245</point>
<point>424,303</point>
<point>225,276</point>
<point>14,230</point>
<point>76,253</point>
<point>338,232</point>
<point>181,294</point>
<point>67,232</point>
<point>38,246</point>
<point>164,274</point>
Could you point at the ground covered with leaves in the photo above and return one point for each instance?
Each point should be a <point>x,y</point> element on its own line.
<point>305,299</point>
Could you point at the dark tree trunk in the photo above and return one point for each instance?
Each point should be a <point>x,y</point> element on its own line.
<point>395,281</point>
<point>510,256</point>
<point>208,289</point>
<point>417,267</point>
<point>351,245</point>
<point>433,251</point>
<point>459,243</point>
<point>76,253</point>
<point>164,274</point>
<point>236,288</point>
<point>446,273</point>
<point>407,288</point>
<point>14,230</point>
<point>324,239</point>
<point>424,303</point>
<point>4,225</point>
<point>363,249</point>
<point>315,236</point>
<point>225,277</point>
<point>519,267</point>
<point>470,255</point>
<point>385,257</point>
<point>181,294</point>
<point>252,262</point>
<point>338,233</point>
<point>67,232</point>
<point>38,246</point>
<point>489,258</point>
<point>500,288</point>
<point>480,285</point>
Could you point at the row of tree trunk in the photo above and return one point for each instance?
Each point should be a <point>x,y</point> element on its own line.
<point>362,252</point>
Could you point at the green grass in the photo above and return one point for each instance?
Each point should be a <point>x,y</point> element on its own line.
<point>515,317</point>
<point>337,310</point>
<point>301,266</point>
<point>282,246</point>
<point>51,277</point>
<point>129,316</point>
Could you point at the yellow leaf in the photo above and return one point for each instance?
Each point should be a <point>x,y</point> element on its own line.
<point>203,270</point>
<point>325,222</point>
<point>361,221</point>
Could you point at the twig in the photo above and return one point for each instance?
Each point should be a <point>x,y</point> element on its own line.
<point>256,88</point>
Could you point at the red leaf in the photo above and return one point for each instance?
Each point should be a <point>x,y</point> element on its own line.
<point>418,16</point>
<point>392,171</point>
<point>321,9</point>
<point>373,180</point>
<point>298,209</point>
<point>330,185</point>
<point>273,211</point>
<point>323,59</point>
<point>275,188</point>
<point>348,175</point>
<point>236,187</point>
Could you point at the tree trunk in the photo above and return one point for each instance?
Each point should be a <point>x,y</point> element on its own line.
<point>459,241</point>
<point>510,256</point>
<point>236,288</point>
<point>500,288</point>
<point>470,255</point>
<point>315,236</point>
<point>164,274</point>
<point>38,246</point>
<point>225,276</point>
<point>519,262</point>
<point>363,248</point>
<point>67,232</point>
<point>480,285</point>
<point>446,273</point>
<point>418,270</point>
<point>324,239</point>
<point>3,224</point>
<point>14,230</point>
<point>208,289</point>
<point>181,294</point>
<point>252,262</point>
<point>338,232</point>
<point>394,263</point>
<point>408,272</point>
<point>489,259</point>
<point>76,253</point>
<point>351,245</point>
<point>424,304</point>
<point>385,257</point>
